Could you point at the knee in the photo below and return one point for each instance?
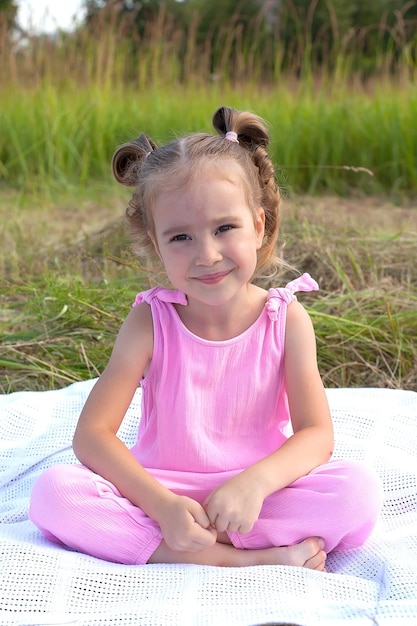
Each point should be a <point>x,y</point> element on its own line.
<point>352,499</point>
<point>359,489</point>
<point>360,478</point>
<point>52,481</point>
<point>52,490</point>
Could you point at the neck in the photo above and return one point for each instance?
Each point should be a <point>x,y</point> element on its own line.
<point>219,323</point>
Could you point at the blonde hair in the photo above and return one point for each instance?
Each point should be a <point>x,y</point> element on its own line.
<point>153,170</point>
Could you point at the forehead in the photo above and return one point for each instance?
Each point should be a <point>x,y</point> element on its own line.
<point>223,169</point>
<point>209,197</point>
<point>185,178</point>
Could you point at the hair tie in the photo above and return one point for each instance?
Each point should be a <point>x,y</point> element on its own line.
<point>231,136</point>
<point>147,154</point>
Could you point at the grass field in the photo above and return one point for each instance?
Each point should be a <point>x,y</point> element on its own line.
<point>345,149</point>
<point>325,137</point>
<point>70,280</point>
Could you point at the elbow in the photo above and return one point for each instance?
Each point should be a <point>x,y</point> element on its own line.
<point>77,447</point>
<point>328,446</point>
<point>328,456</point>
<point>324,444</point>
<point>89,442</point>
<point>80,445</point>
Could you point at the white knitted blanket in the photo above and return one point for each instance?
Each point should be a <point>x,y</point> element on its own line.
<point>41,583</point>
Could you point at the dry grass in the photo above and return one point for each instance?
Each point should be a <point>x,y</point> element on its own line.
<point>363,254</point>
<point>71,279</point>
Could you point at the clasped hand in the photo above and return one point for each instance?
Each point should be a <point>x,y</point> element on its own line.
<point>188,526</point>
<point>185,525</point>
<point>235,505</point>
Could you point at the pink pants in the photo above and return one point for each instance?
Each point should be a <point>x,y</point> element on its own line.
<point>338,501</point>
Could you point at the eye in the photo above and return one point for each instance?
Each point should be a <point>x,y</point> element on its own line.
<point>224,228</point>
<point>180,237</point>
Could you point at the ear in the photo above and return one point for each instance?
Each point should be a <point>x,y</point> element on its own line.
<point>155,243</point>
<point>259,226</point>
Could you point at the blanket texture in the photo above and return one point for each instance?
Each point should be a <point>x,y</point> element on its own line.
<point>41,583</point>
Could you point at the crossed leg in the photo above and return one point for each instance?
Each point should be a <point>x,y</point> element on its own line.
<point>308,553</point>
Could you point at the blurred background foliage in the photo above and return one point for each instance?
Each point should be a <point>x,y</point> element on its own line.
<point>225,38</point>
<point>336,79</point>
<point>295,27</point>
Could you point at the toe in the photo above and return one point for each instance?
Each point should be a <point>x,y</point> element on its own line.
<point>309,553</point>
<point>317,562</point>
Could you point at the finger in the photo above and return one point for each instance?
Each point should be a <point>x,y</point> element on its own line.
<point>194,541</point>
<point>234,527</point>
<point>244,528</point>
<point>221,523</point>
<point>210,536</point>
<point>205,539</point>
<point>200,516</point>
<point>211,513</point>
<point>213,509</point>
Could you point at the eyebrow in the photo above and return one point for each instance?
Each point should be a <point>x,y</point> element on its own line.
<point>183,228</point>
<point>175,229</point>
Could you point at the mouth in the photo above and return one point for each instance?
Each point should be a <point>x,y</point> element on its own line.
<point>212,279</point>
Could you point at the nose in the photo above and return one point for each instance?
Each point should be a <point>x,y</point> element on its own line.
<point>208,252</point>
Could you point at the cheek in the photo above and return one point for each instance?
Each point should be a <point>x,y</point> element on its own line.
<point>246,251</point>
<point>171,258</point>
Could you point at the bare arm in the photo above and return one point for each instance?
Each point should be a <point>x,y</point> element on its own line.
<point>97,446</point>
<point>95,442</point>
<point>312,442</point>
<point>236,504</point>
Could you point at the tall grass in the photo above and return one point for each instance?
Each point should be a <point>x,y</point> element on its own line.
<point>112,49</point>
<point>71,282</point>
<point>66,103</point>
<point>329,138</point>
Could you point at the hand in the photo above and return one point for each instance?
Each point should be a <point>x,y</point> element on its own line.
<point>235,505</point>
<point>185,525</point>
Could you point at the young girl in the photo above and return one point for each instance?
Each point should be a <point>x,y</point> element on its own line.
<point>231,465</point>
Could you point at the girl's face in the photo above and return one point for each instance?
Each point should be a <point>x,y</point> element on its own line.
<point>207,236</point>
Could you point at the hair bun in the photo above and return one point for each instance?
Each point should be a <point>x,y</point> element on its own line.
<point>223,118</point>
<point>250,129</point>
<point>128,159</point>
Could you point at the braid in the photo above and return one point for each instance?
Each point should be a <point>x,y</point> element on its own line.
<point>271,201</point>
<point>253,136</point>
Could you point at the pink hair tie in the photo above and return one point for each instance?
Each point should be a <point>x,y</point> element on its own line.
<point>231,136</point>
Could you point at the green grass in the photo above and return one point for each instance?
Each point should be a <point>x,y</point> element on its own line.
<point>72,281</point>
<point>323,139</point>
<point>335,126</point>
<point>365,319</point>
<point>60,330</point>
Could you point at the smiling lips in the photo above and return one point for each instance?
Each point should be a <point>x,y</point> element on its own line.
<point>212,279</point>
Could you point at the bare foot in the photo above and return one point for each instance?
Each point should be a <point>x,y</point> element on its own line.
<point>309,553</point>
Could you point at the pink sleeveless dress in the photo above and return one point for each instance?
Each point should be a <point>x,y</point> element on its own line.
<point>209,410</point>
